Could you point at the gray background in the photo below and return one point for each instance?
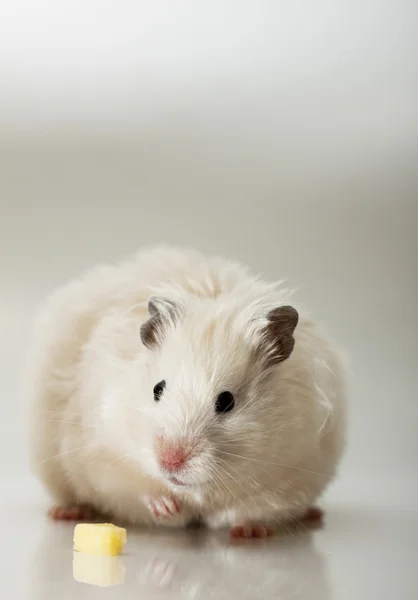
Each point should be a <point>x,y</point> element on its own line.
<point>281,134</point>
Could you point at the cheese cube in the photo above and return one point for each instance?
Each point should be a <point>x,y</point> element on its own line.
<point>102,539</point>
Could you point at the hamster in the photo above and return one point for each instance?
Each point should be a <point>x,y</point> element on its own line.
<point>177,387</point>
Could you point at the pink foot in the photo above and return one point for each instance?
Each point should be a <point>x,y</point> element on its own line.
<point>257,530</point>
<point>313,516</point>
<point>163,508</point>
<point>71,513</point>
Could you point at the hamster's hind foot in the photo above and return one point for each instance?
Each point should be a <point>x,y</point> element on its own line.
<point>164,507</point>
<point>71,513</point>
<point>313,516</point>
<point>251,531</point>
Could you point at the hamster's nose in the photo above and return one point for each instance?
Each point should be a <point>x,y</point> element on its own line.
<point>172,458</point>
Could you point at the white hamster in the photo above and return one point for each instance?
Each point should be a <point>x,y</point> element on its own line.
<point>177,386</point>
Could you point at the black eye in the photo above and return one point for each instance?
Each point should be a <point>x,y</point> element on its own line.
<point>224,402</point>
<point>158,390</point>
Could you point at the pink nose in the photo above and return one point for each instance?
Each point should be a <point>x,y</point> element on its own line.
<point>172,458</point>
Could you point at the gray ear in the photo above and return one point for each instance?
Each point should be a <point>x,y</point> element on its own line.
<point>163,312</point>
<point>277,336</point>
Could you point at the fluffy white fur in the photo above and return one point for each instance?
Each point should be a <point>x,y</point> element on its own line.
<point>95,422</point>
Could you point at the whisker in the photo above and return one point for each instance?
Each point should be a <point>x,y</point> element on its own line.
<point>116,459</point>
<point>241,484</point>
<point>223,482</point>
<point>299,522</point>
<point>88,465</point>
<point>71,423</point>
<point>215,482</point>
<point>65,453</point>
<point>289,531</point>
<point>266,462</point>
<point>229,475</point>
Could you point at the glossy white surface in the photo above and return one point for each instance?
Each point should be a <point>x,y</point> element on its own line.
<point>280,134</point>
<point>366,550</point>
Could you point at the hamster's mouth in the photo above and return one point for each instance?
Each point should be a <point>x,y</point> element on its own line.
<point>177,482</point>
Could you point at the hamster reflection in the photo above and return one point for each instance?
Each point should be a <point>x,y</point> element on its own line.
<point>205,566</point>
<point>185,565</point>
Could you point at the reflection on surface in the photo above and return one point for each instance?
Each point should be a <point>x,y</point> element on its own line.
<point>182,565</point>
<point>102,571</point>
<point>205,565</point>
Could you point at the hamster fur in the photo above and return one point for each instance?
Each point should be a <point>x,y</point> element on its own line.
<point>204,326</point>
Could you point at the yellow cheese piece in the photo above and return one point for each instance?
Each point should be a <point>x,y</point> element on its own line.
<point>102,539</point>
<point>102,571</point>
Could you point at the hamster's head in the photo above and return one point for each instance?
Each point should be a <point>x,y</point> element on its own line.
<point>214,408</point>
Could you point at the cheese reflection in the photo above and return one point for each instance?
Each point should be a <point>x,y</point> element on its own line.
<point>101,571</point>
<point>183,565</point>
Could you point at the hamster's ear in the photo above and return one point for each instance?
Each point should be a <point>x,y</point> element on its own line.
<point>277,341</point>
<point>163,313</point>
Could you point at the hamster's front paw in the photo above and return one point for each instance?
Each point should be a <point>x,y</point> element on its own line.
<point>163,507</point>
<point>251,531</point>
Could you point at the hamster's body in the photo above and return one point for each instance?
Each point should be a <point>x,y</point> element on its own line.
<point>99,438</point>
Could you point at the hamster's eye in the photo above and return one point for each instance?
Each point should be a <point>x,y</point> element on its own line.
<point>224,402</point>
<point>158,390</point>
